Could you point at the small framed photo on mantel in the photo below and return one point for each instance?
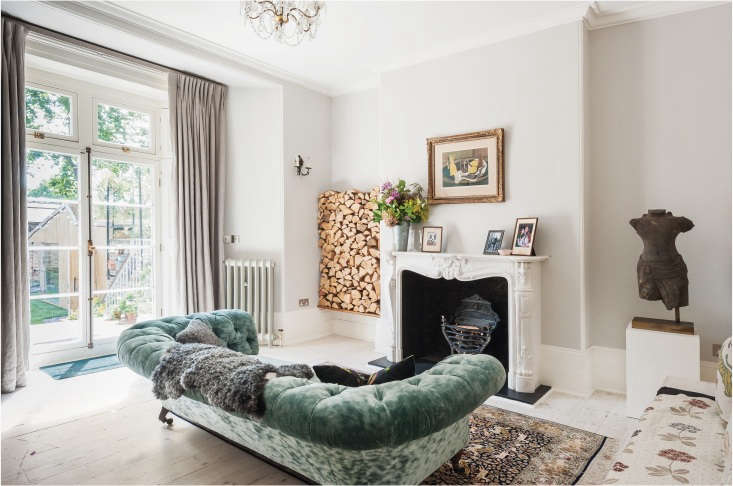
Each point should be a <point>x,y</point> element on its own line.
<point>432,239</point>
<point>493,242</point>
<point>524,234</point>
<point>466,168</point>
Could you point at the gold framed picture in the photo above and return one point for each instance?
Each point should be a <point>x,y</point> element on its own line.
<point>524,233</point>
<point>466,168</point>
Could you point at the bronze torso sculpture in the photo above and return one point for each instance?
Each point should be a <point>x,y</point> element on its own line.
<point>661,271</point>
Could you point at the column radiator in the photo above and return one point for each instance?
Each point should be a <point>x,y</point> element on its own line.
<point>250,287</point>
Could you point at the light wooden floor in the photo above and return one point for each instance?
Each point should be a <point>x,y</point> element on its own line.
<point>102,428</point>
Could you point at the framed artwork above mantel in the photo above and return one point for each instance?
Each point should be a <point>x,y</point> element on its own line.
<point>466,168</point>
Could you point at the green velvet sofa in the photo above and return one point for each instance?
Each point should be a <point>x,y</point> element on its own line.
<point>393,433</point>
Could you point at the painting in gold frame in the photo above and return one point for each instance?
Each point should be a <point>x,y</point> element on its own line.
<point>466,168</point>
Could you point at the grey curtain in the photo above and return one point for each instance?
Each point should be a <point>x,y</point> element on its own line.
<point>15,313</point>
<point>198,138</point>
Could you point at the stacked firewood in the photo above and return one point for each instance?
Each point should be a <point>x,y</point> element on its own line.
<point>349,242</point>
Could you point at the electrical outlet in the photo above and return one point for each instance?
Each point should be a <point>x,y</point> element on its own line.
<point>303,302</point>
<point>231,239</point>
<point>716,349</point>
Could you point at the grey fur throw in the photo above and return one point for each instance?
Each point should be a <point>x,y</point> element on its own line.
<point>232,381</point>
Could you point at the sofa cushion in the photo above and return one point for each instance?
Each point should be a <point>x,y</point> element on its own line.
<point>198,332</point>
<point>396,371</point>
<point>331,373</point>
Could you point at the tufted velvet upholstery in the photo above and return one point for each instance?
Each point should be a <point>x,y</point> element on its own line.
<point>383,415</point>
<point>141,346</point>
<point>363,418</point>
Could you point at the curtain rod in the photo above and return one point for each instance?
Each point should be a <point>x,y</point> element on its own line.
<point>92,45</point>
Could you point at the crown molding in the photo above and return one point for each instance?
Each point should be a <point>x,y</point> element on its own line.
<point>596,18</point>
<point>135,24</point>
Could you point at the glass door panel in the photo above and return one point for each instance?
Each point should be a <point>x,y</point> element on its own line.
<point>53,247</point>
<point>123,265</point>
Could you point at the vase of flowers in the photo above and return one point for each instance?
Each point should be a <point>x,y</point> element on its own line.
<point>398,205</point>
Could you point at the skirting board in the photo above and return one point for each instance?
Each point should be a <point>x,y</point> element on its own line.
<point>353,325</point>
<point>302,325</point>
<point>313,323</point>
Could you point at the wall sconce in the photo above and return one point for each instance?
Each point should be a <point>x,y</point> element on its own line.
<point>300,168</point>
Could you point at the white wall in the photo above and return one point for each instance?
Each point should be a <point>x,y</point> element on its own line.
<point>660,137</point>
<point>254,199</point>
<point>307,131</point>
<point>530,86</point>
<point>355,140</point>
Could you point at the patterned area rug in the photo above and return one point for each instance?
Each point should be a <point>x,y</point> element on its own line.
<point>511,448</point>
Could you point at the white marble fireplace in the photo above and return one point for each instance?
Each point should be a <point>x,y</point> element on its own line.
<point>524,310</point>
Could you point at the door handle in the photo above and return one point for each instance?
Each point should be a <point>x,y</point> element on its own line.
<point>91,248</point>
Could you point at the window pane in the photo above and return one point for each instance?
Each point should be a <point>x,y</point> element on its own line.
<point>123,126</point>
<point>53,271</point>
<point>55,320</point>
<point>47,111</point>
<point>52,223</point>
<point>115,311</point>
<point>51,175</point>
<point>121,182</point>
<point>115,225</point>
<point>116,268</point>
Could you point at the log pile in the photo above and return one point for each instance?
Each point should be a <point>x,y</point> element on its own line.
<point>349,242</point>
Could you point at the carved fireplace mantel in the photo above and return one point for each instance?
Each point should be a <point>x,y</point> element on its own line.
<point>524,279</point>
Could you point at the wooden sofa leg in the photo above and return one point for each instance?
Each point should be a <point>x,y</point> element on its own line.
<point>162,416</point>
<point>456,462</point>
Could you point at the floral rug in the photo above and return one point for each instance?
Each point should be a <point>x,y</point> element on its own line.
<point>511,448</point>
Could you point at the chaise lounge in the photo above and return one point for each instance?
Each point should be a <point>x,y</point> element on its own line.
<point>394,433</point>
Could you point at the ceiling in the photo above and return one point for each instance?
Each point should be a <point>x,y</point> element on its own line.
<point>355,42</point>
<point>358,40</point>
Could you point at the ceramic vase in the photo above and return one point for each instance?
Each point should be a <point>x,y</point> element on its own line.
<point>400,235</point>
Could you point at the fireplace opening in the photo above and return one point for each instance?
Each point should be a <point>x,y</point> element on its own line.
<point>425,300</point>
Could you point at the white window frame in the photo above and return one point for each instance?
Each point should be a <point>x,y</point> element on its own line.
<point>85,95</point>
<point>153,149</point>
<point>34,135</point>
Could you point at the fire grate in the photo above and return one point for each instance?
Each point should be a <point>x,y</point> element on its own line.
<point>472,326</point>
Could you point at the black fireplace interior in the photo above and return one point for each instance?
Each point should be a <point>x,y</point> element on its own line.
<point>425,299</point>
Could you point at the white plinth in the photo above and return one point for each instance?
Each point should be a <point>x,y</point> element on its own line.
<point>651,357</point>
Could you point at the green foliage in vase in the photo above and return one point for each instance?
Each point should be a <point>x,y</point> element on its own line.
<point>401,203</point>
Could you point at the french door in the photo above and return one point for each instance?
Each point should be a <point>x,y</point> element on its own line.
<point>91,246</point>
<point>93,163</point>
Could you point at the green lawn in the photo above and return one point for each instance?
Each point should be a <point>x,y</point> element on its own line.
<point>42,310</point>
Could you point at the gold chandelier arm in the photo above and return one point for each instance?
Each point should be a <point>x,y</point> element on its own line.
<point>271,8</point>
<point>305,14</point>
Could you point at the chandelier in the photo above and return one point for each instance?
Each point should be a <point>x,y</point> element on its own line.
<point>287,21</point>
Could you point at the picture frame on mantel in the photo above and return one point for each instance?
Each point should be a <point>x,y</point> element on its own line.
<point>494,240</point>
<point>432,239</point>
<point>525,230</point>
<point>466,168</point>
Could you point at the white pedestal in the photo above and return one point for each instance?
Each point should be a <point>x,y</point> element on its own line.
<point>651,357</point>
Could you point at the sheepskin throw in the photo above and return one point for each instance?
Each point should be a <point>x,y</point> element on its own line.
<point>198,332</point>
<point>232,381</point>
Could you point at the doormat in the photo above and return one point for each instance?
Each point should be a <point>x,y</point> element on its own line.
<point>510,448</point>
<point>61,371</point>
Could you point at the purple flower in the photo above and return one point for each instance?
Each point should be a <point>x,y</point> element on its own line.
<point>386,186</point>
